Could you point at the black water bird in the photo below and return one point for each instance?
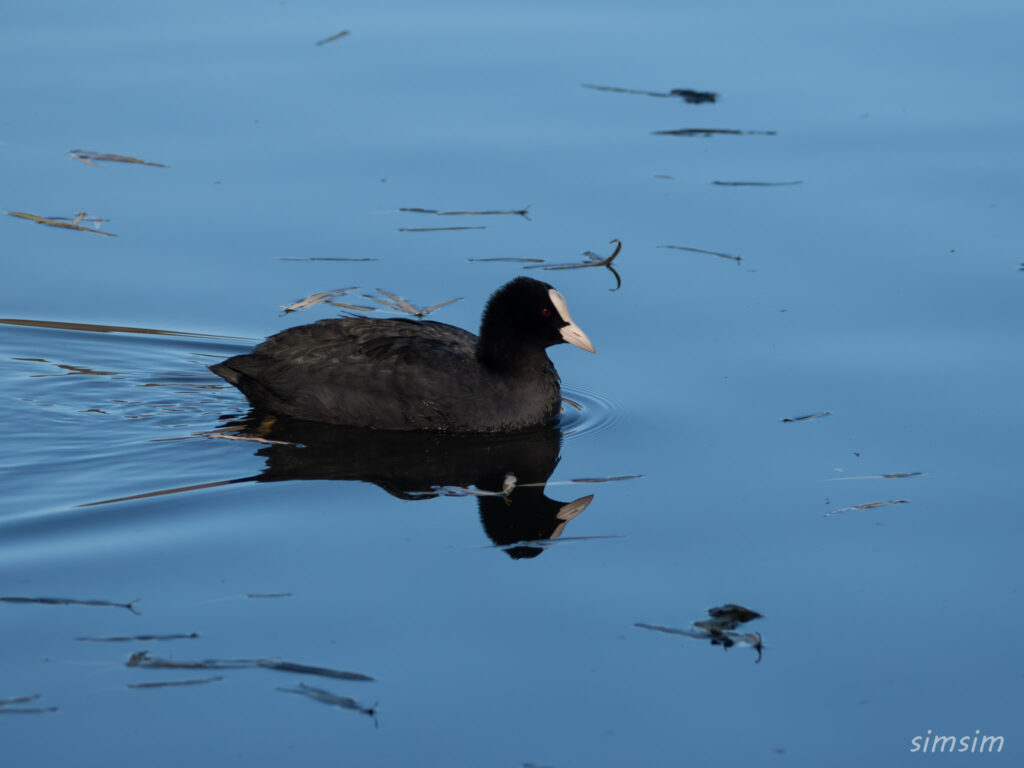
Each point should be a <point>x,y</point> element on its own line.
<point>403,374</point>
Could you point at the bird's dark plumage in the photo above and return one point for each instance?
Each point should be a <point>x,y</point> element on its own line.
<point>404,374</point>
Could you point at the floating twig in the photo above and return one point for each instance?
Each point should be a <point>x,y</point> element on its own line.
<point>893,476</point>
<point>808,417</point>
<point>138,638</point>
<point>511,260</point>
<point>268,595</point>
<point>325,297</point>
<point>143,660</point>
<point>91,158</point>
<point>70,601</point>
<point>332,38</point>
<point>708,132</point>
<point>328,258</point>
<point>720,629</point>
<point>756,183</point>
<point>517,212</point>
<point>7,709</point>
<point>174,683</point>
<point>872,505</point>
<point>399,304</point>
<point>326,697</point>
<point>61,222</point>
<point>737,259</point>
<point>593,260</point>
<point>686,94</point>
<point>435,229</point>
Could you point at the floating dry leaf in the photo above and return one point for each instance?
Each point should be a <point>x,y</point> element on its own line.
<point>332,38</point>
<point>61,223</point>
<point>91,158</point>
<point>708,132</point>
<point>808,417</point>
<point>70,601</point>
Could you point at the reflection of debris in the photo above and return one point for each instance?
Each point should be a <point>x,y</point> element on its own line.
<point>173,683</point>
<point>756,183</point>
<point>434,229</point>
<point>709,132</point>
<point>720,628</point>
<point>70,601</point>
<point>63,223</point>
<point>737,259</point>
<point>399,304</point>
<point>325,297</point>
<point>593,260</point>
<point>872,505</point>
<point>332,38</point>
<point>808,417</point>
<point>138,638</point>
<point>7,709</point>
<point>326,697</point>
<point>143,660</point>
<point>520,212</point>
<point>686,94</point>
<point>91,158</point>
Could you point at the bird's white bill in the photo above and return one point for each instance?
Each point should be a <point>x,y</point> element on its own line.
<point>572,333</point>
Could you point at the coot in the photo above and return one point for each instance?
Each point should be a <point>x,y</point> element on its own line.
<point>404,374</point>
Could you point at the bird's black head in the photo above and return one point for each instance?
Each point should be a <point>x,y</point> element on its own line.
<point>526,316</point>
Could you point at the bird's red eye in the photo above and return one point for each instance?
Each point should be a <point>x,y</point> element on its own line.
<point>546,312</point>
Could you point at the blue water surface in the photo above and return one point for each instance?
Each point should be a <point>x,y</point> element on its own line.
<point>880,542</point>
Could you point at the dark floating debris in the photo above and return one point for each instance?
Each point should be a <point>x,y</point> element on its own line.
<point>613,479</point>
<point>143,660</point>
<point>686,94</point>
<point>268,595</point>
<point>399,304</point>
<point>332,38</point>
<point>893,476</point>
<point>511,260</point>
<point>70,601</point>
<point>709,132</point>
<point>138,638</point>
<point>520,212</point>
<point>737,259</point>
<point>435,229</point>
<point>872,505</point>
<point>593,260</point>
<point>174,683</point>
<point>808,417</point>
<point>756,183</point>
<point>720,629</point>
<point>325,297</point>
<point>91,158</point>
<point>62,222</point>
<point>7,709</point>
<point>328,258</point>
<point>326,697</point>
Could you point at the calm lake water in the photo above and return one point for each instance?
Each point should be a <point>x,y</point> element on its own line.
<point>866,266</point>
